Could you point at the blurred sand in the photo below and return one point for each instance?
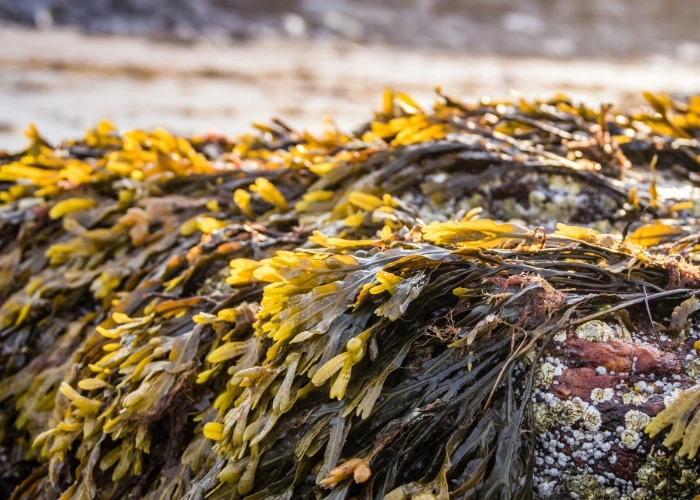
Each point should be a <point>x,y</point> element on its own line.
<point>65,82</point>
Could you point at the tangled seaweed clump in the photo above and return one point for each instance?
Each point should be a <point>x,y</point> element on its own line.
<point>488,300</point>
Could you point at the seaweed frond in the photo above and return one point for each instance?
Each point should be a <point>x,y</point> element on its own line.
<point>678,415</point>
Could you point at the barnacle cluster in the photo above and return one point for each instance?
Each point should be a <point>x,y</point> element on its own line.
<point>470,301</point>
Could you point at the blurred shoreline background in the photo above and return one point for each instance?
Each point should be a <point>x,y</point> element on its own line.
<point>195,66</point>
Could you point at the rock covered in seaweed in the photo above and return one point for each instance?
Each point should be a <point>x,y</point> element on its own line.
<point>493,299</point>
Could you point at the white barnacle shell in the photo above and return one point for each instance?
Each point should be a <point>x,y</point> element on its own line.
<point>640,494</point>
<point>693,369</point>
<point>599,331</point>
<point>634,398</point>
<point>609,492</point>
<point>547,489</point>
<point>541,417</point>
<point>671,398</point>
<point>560,336</point>
<point>636,420</point>
<point>646,475</point>
<point>630,438</point>
<point>571,411</point>
<point>688,477</point>
<point>592,419</point>
<point>557,407</point>
<point>544,375</point>
<point>601,395</point>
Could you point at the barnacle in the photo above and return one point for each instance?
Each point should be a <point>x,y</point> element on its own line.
<point>542,418</point>
<point>600,331</point>
<point>591,418</point>
<point>571,412</point>
<point>636,420</point>
<point>630,438</point>
<point>586,486</point>
<point>544,375</point>
<point>602,395</point>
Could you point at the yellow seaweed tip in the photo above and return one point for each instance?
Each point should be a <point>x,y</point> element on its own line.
<point>70,205</point>
<point>269,193</point>
<point>213,431</point>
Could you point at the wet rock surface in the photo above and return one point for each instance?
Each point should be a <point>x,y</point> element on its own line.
<point>591,416</point>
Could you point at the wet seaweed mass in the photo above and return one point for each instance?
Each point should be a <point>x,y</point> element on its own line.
<point>486,300</point>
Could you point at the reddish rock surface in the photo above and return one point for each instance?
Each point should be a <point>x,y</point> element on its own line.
<point>579,382</point>
<point>621,356</point>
